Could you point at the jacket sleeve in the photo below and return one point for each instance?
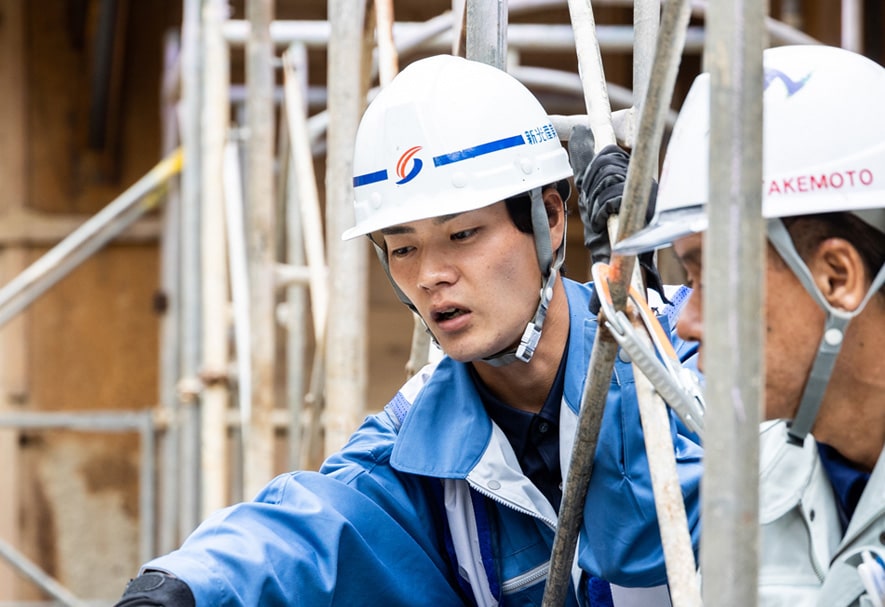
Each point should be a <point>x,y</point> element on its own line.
<point>355,534</point>
<point>620,538</point>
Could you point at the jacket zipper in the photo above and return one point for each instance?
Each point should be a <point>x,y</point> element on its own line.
<point>496,498</point>
<point>526,579</point>
<point>529,577</point>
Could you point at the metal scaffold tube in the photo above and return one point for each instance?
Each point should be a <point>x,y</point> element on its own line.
<point>305,243</point>
<point>261,239</point>
<point>733,275</point>
<point>295,68</point>
<point>170,321</point>
<point>216,395</point>
<point>190,344</point>
<point>346,338</point>
<point>487,32</point>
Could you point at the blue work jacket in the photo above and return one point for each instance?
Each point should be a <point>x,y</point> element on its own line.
<point>427,505</point>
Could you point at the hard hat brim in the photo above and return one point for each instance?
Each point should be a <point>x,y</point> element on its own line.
<point>666,227</point>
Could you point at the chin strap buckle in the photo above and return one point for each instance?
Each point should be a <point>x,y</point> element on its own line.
<point>530,338</point>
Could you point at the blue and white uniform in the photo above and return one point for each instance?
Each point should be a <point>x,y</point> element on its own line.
<point>809,556</point>
<point>427,504</point>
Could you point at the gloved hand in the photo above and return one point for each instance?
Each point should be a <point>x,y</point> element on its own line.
<point>156,589</point>
<point>600,181</point>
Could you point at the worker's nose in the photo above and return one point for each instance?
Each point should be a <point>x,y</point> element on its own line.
<point>435,271</point>
<point>690,325</point>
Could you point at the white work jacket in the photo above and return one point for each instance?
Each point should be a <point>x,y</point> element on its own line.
<point>804,558</point>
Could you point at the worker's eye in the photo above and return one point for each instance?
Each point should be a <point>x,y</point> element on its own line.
<point>400,252</point>
<point>464,234</point>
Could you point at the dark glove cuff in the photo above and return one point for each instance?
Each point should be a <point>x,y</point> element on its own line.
<point>156,589</point>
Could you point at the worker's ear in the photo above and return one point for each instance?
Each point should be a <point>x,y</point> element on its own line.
<point>555,208</point>
<point>839,273</point>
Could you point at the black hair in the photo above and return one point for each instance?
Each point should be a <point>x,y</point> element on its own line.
<point>519,207</point>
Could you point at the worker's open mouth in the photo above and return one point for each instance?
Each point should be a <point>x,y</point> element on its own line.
<point>448,314</point>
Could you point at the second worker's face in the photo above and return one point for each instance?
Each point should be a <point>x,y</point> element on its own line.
<point>792,322</point>
<point>473,277</point>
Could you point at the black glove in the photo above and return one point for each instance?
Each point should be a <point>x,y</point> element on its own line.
<point>156,589</point>
<point>600,180</point>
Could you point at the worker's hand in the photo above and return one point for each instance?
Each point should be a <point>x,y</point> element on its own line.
<point>600,181</point>
<point>154,588</point>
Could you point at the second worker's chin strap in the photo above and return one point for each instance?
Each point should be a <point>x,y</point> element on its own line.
<point>546,259</point>
<point>834,331</point>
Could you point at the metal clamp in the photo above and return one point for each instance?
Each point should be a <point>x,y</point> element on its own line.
<point>678,386</point>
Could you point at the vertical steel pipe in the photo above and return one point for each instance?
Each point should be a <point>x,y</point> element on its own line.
<point>734,271</point>
<point>347,342</point>
<point>261,240</point>
<point>487,32</point>
<point>214,472</point>
<point>189,288</point>
<point>170,321</point>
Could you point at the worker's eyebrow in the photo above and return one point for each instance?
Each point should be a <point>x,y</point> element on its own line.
<point>405,229</point>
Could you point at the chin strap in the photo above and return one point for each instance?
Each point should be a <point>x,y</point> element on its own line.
<point>549,265</point>
<point>834,331</point>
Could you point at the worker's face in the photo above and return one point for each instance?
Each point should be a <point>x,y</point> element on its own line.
<point>473,277</point>
<point>793,326</point>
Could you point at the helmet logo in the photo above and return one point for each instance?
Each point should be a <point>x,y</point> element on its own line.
<point>792,86</point>
<point>403,163</point>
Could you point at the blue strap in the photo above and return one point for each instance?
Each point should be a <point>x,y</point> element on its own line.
<point>398,407</point>
<point>436,488</point>
<point>599,592</point>
<point>677,301</point>
<point>484,531</point>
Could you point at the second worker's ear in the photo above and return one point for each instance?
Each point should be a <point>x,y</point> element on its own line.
<point>839,273</point>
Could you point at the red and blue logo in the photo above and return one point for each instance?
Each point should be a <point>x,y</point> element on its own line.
<point>408,161</point>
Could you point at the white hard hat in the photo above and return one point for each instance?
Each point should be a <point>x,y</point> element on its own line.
<point>449,135</point>
<point>823,152</point>
<point>823,145</point>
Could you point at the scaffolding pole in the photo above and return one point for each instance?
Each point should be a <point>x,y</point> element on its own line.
<point>305,243</point>
<point>295,60</point>
<point>487,32</point>
<point>190,343</point>
<point>346,336</point>
<point>170,319</point>
<point>852,25</point>
<point>734,271</point>
<point>258,466</point>
<point>214,470</point>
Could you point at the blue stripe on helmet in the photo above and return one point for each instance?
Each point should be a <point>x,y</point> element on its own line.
<point>479,150</point>
<point>444,159</point>
<point>369,178</point>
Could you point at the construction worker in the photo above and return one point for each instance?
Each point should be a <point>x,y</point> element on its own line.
<point>450,495</point>
<point>822,464</point>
